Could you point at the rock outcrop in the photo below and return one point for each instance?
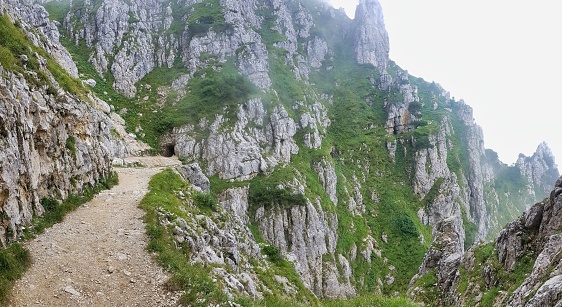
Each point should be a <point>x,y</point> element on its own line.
<point>52,142</point>
<point>305,234</point>
<point>528,247</point>
<point>538,170</point>
<point>371,38</point>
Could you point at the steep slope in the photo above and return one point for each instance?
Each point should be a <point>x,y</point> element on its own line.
<point>522,266</point>
<point>56,138</point>
<point>366,178</point>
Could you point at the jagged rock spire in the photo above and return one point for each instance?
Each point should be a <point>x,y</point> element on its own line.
<point>371,38</point>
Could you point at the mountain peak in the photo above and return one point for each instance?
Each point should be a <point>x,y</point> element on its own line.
<point>371,38</point>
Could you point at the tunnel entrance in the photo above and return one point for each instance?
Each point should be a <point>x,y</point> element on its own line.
<point>168,150</point>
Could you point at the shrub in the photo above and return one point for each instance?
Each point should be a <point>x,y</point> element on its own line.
<point>415,107</point>
<point>406,226</point>
<point>71,145</point>
<point>267,194</point>
<point>205,201</point>
<point>49,204</point>
<point>272,253</point>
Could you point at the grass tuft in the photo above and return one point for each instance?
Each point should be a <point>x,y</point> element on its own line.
<point>14,261</point>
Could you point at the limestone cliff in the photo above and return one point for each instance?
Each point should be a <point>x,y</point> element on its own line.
<point>365,178</point>
<point>55,137</point>
<point>521,268</point>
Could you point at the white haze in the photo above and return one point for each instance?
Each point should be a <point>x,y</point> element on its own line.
<point>502,57</point>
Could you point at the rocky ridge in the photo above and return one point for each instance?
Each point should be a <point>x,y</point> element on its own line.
<point>289,131</point>
<point>525,260</point>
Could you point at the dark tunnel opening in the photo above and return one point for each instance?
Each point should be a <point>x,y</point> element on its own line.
<point>169,150</point>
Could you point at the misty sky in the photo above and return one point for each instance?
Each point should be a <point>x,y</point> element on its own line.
<point>502,57</point>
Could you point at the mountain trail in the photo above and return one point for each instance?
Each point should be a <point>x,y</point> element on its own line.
<point>97,256</point>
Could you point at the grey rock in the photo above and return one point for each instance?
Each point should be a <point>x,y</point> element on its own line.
<point>235,200</point>
<point>70,289</point>
<point>328,178</point>
<point>90,82</point>
<point>249,148</point>
<point>535,168</point>
<point>312,234</point>
<point>371,38</point>
<point>34,152</point>
<point>195,176</point>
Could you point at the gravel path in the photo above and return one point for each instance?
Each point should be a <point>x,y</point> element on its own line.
<point>97,255</point>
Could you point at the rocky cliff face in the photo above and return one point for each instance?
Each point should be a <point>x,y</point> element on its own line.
<point>366,178</point>
<point>371,38</point>
<point>55,137</point>
<point>521,268</point>
<point>538,170</point>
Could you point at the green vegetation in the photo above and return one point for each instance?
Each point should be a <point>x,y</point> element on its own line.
<point>272,253</point>
<point>206,16</point>
<point>205,201</point>
<point>71,145</point>
<point>371,301</point>
<point>209,93</point>
<point>56,210</point>
<point>428,283</point>
<point>486,260</point>
<point>264,192</point>
<point>57,10</point>
<point>194,279</point>
<point>14,261</point>
<point>470,229</point>
<point>433,192</point>
<point>19,55</point>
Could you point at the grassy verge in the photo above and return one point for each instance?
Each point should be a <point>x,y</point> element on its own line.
<point>193,280</point>
<point>15,259</point>
<point>371,301</point>
<point>55,211</point>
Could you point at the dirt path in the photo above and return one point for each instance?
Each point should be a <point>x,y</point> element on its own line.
<point>97,256</point>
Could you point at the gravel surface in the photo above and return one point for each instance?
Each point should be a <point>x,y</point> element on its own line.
<point>97,256</point>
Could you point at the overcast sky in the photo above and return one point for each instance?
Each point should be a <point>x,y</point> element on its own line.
<point>502,57</point>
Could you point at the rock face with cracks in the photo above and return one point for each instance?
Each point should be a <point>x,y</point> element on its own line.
<point>52,142</point>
